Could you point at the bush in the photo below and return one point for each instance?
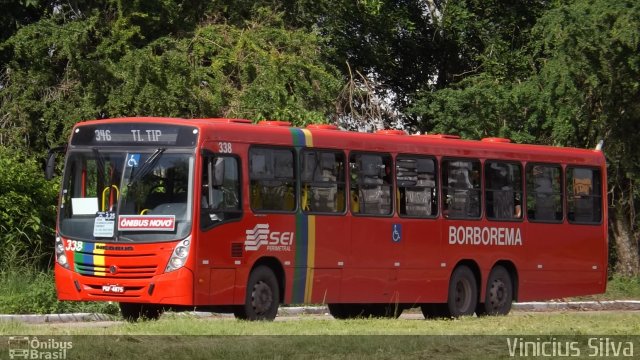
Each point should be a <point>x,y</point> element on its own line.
<point>27,211</point>
<point>30,291</point>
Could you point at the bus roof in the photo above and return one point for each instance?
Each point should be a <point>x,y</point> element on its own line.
<point>392,141</point>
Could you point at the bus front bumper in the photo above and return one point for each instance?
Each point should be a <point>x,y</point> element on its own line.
<point>173,288</point>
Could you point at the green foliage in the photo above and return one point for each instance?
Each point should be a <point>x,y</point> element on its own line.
<point>573,82</point>
<point>30,291</point>
<point>27,210</point>
<point>97,65</point>
<point>620,288</point>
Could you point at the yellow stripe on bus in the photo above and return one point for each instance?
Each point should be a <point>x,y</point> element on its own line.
<point>311,257</point>
<point>308,139</point>
<point>99,259</point>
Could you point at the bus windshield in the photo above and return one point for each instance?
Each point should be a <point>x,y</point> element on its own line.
<point>141,196</point>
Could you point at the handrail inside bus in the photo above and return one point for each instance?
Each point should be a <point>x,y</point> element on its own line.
<point>104,198</point>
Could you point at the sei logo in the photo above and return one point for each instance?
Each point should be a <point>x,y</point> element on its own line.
<point>73,245</point>
<point>260,236</point>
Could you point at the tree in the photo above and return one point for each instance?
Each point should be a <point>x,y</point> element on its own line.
<point>124,62</point>
<point>580,84</point>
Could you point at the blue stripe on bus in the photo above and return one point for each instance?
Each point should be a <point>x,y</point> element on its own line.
<point>300,266</point>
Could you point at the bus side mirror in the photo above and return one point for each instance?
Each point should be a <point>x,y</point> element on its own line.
<point>49,171</point>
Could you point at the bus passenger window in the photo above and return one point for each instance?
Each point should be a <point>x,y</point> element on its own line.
<point>220,198</point>
<point>370,184</point>
<point>503,188</point>
<point>584,195</point>
<point>323,185</point>
<point>416,180</point>
<point>272,180</point>
<point>544,193</point>
<point>461,189</point>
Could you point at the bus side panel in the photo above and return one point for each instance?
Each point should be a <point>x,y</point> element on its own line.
<point>218,250</point>
<point>563,260</point>
<point>222,286</point>
<point>421,278</point>
<point>537,280</point>
<point>327,255</point>
<point>326,286</point>
<point>370,274</point>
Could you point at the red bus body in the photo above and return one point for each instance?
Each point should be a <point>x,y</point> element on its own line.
<point>344,258</point>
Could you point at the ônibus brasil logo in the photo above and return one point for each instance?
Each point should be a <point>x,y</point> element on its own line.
<point>26,347</point>
<point>273,240</point>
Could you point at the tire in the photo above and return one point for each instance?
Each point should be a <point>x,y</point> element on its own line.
<point>435,311</point>
<point>133,312</point>
<point>262,296</point>
<point>499,293</point>
<point>463,292</point>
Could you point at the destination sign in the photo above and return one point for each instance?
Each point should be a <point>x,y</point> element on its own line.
<point>134,134</point>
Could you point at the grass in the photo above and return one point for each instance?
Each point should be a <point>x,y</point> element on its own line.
<point>26,290</point>
<point>521,323</point>
<point>618,288</point>
<point>178,336</point>
<point>182,336</point>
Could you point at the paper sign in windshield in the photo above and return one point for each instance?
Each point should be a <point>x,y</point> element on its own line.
<point>104,224</point>
<point>146,223</point>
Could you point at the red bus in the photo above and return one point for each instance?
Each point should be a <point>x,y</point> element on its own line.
<point>231,216</point>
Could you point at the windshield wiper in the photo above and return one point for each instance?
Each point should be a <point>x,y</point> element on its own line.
<point>146,166</point>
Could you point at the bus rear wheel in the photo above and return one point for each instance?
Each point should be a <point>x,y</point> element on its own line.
<point>134,311</point>
<point>262,296</point>
<point>463,292</point>
<point>499,293</point>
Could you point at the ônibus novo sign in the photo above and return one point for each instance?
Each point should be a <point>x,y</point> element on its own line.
<point>146,223</point>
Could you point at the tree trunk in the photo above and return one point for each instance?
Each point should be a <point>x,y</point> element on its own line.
<point>628,262</point>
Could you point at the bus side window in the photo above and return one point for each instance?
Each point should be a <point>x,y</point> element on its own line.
<point>416,181</point>
<point>544,192</point>
<point>584,195</point>
<point>323,185</point>
<point>272,179</point>
<point>370,184</point>
<point>461,188</point>
<point>220,198</point>
<point>503,187</point>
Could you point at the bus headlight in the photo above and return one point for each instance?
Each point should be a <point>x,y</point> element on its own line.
<point>61,257</point>
<point>179,257</point>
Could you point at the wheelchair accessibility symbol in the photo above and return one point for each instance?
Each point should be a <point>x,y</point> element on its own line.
<point>133,160</point>
<point>396,233</point>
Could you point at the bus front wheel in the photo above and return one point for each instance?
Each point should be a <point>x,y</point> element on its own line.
<point>463,292</point>
<point>262,297</point>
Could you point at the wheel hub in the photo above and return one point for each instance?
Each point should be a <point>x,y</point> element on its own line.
<point>463,299</point>
<point>261,297</point>
<point>497,294</point>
